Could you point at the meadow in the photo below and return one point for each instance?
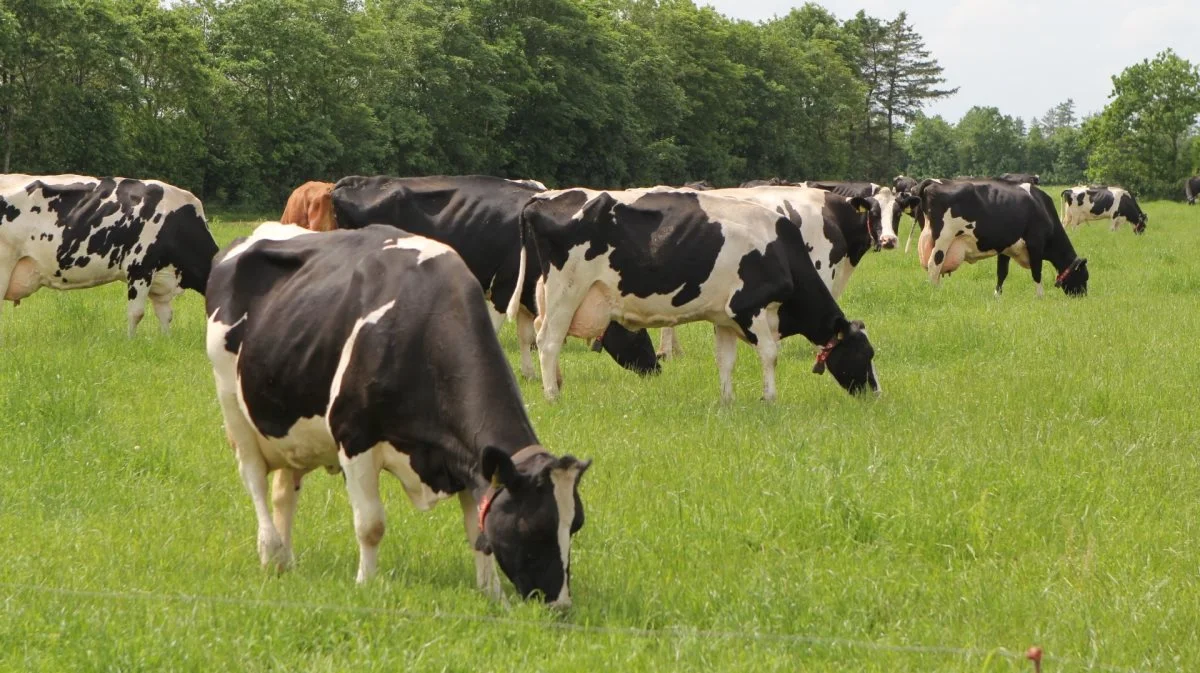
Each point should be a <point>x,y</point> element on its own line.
<point>1030,475</point>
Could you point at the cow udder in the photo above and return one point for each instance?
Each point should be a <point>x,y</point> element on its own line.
<point>954,256</point>
<point>25,280</point>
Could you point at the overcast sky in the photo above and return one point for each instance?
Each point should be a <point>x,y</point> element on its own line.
<point>1023,56</point>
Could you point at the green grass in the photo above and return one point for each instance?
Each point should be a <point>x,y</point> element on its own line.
<point>1030,476</point>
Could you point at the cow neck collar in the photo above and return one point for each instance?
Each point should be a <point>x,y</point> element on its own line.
<point>1066,272</point>
<point>489,496</point>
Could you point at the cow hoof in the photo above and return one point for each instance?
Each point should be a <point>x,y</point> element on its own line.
<point>275,556</point>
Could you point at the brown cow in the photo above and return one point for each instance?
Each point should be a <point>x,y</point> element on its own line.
<point>310,207</point>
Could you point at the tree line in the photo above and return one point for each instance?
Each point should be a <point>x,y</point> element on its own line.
<point>241,100</point>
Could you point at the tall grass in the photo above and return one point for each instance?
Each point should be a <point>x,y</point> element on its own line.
<point>1030,475</point>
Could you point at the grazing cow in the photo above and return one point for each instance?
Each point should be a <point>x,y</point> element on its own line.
<point>310,207</point>
<point>902,184</point>
<point>479,217</point>
<point>836,232</point>
<point>657,259</point>
<point>1191,188</point>
<point>373,350</point>
<point>886,205</point>
<point>74,231</point>
<point>1097,202</point>
<point>769,182</point>
<point>970,221</point>
<point>1020,178</point>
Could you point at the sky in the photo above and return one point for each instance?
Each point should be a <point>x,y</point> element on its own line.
<point>1023,56</point>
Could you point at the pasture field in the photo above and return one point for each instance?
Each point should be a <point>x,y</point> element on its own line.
<point>1030,475</point>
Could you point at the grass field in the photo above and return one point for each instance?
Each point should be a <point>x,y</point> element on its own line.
<point>1031,475</point>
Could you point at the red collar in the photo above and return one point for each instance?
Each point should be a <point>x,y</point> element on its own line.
<point>1058,280</point>
<point>824,354</point>
<point>486,504</point>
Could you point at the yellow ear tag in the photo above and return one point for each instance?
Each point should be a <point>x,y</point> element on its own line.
<point>496,481</point>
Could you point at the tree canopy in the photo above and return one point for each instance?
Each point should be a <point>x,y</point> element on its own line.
<point>242,100</point>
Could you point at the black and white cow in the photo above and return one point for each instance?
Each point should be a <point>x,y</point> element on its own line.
<point>658,259</point>
<point>74,231</point>
<point>1021,178</point>
<point>973,220</point>
<point>886,205</point>
<point>769,182</point>
<point>1098,202</point>
<point>902,184</point>
<point>1191,189</point>
<point>836,230</point>
<point>479,217</point>
<point>373,350</point>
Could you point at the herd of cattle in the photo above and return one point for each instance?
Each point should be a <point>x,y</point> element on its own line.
<point>353,335</point>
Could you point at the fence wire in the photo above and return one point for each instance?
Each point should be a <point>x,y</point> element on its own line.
<point>678,632</point>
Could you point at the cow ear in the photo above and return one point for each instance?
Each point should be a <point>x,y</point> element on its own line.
<point>572,464</point>
<point>860,204</point>
<point>819,367</point>
<point>483,543</point>
<point>498,467</point>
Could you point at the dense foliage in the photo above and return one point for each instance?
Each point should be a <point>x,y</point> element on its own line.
<point>241,100</point>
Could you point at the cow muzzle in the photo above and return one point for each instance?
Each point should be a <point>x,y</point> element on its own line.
<point>888,242</point>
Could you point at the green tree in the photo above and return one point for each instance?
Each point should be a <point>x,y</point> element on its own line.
<point>932,148</point>
<point>1140,138</point>
<point>989,143</point>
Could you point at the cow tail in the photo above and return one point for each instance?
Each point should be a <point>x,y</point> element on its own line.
<point>514,302</point>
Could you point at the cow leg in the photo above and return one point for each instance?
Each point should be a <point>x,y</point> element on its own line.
<point>765,326</point>
<point>668,344</point>
<point>271,550</point>
<point>526,335</point>
<point>726,341</point>
<point>485,564</point>
<point>556,310</point>
<point>1035,268</point>
<point>139,291</point>
<point>6,270</point>
<point>1001,272</point>
<point>285,491</point>
<point>497,316</point>
<point>362,485</point>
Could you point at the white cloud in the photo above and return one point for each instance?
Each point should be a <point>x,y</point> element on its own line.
<point>1024,56</point>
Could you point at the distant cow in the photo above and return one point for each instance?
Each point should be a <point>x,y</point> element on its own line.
<point>699,185</point>
<point>373,350</point>
<point>309,206</point>
<point>769,182</point>
<point>479,217</point>
<point>904,184</point>
<point>73,231</point>
<point>970,221</point>
<point>657,259</point>
<point>1191,188</point>
<point>1020,178</point>
<point>886,208</point>
<point>1097,202</point>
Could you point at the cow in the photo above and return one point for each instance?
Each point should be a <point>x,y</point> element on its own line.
<point>372,350</point>
<point>74,231</point>
<point>836,231</point>
<point>657,259</point>
<point>310,207</point>
<point>902,184</point>
<point>1097,202</point>
<point>1191,188</point>
<point>699,185</point>
<point>1020,178</point>
<point>886,205</point>
<point>478,216</point>
<point>973,220</point>
<point>769,182</point>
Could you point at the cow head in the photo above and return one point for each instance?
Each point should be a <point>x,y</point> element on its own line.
<point>872,213</point>
<point>1073,279</point>
<point>529,518</point>
<point>889,209</point>
<point>848,356</point>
